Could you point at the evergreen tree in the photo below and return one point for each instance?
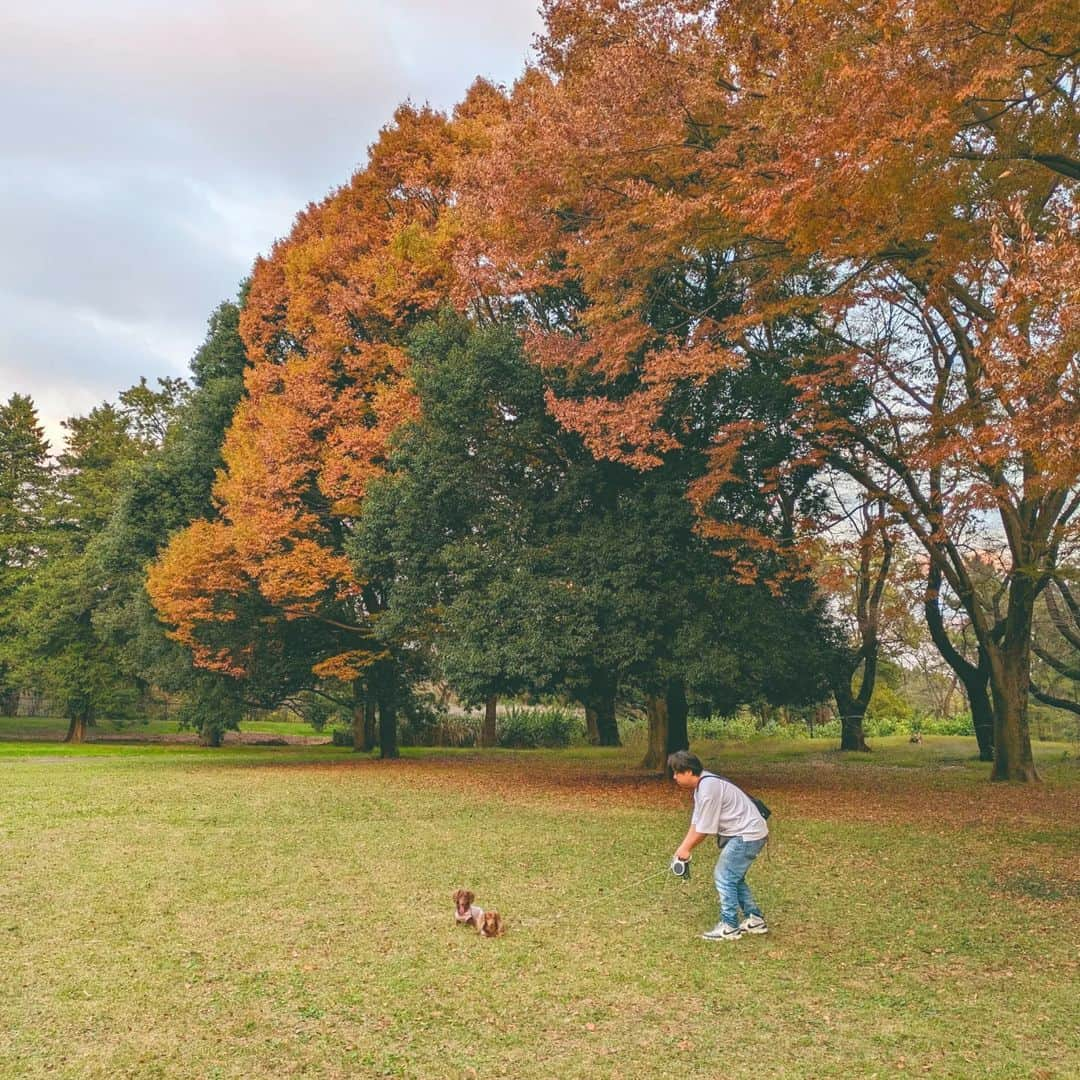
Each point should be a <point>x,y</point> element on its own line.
<point>169,489</point>
<point>25,479</point>
<point>54,647</point>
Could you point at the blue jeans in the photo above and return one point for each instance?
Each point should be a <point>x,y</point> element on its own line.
<point>730,878</point>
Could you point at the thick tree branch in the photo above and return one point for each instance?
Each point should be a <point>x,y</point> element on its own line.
<point>1060,666</point>
<point>1056,702</point>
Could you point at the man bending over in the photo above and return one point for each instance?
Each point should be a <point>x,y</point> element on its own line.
<point>728,813</point>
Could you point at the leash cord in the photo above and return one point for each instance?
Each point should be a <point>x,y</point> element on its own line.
<point>592,903</point>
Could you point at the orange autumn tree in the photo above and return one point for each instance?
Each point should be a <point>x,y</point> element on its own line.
<point>324,325</point>
<point>900,177</point>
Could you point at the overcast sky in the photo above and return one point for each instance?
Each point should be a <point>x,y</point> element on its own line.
<point>150,150</point>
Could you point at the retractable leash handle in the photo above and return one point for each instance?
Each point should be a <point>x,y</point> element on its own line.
<point>680,867</point>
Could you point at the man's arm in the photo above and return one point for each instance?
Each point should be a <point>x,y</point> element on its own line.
<point>690,841</point>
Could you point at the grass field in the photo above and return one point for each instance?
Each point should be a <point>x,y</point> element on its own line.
<point>32,728</point>
<point>171,911</point>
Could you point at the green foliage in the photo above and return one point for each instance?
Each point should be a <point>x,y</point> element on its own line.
<point>25,482</point>
<point>521,563</point>
<point>445,729</point>
<point>887,702</point>
<point>531,729</point>
<point>170,487</point>
<point>56,651</point>
<point>148,414</point>
<point>221,355</point>
<point>84,632</point>
<point>943,725</point>
<point>517,727</point>
<point>211,706</point>
<point>54,648</point>
<point>320,712</point>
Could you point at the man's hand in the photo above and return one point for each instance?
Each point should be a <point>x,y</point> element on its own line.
<point>682,855</point>
<point>680,867</point>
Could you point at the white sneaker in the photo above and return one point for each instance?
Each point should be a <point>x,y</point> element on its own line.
<point>754,924</point>
<point>722,932</point>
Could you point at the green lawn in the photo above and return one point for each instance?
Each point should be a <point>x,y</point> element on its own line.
<point>54,728</point>
<point>171,911</point>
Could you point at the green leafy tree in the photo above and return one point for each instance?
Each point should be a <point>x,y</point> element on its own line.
<point>168,489</point>
<point>25,480</point>
<point>54,647</point>
<point>524,563</point>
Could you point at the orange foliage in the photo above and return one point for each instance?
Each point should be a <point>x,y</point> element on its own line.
<point>324,326</point>
<point>201,580</point>
<point>918,160</point>
<point>900,147</point>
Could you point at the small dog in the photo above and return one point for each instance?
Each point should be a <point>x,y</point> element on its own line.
<point>491,924</point>
<point>915,738</point>
<point>466,912</point>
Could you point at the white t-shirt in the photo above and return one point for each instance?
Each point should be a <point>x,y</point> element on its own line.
<point>722,809</point>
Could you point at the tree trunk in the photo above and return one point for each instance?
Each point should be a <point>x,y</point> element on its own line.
<point>359,701</point>
<point>211,735</point>
<point>371,727</point>
<point>488,736</point>
<point>657,711</point>
<point>975,678</point>
<point>605,721</point>
<point>982,717</point>
<point>600,722</point>
<point>387,692</point>
<point>592,726</point>
<point>76,732</point>
<point>1009,686</point>
<point>677,710</point>
<point>667,724</point>
<point>852,711</point>
<point>1007,645</point>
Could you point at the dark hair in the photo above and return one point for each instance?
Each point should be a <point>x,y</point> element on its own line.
<point>682,760</point>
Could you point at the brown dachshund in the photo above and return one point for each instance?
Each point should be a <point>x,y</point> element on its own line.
<point>466,912</point>
<point>491,924</point>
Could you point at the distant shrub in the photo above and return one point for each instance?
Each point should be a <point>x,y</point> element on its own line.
<point>319,713</point>
<point>745,726</point>
<point>530,729</point>
<point>944,725</point>
<point>444,729</point>
<point>735,727</point>
<point>879,726</point>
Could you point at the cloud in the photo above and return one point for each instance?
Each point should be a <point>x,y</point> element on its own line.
<point>152,150</point>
